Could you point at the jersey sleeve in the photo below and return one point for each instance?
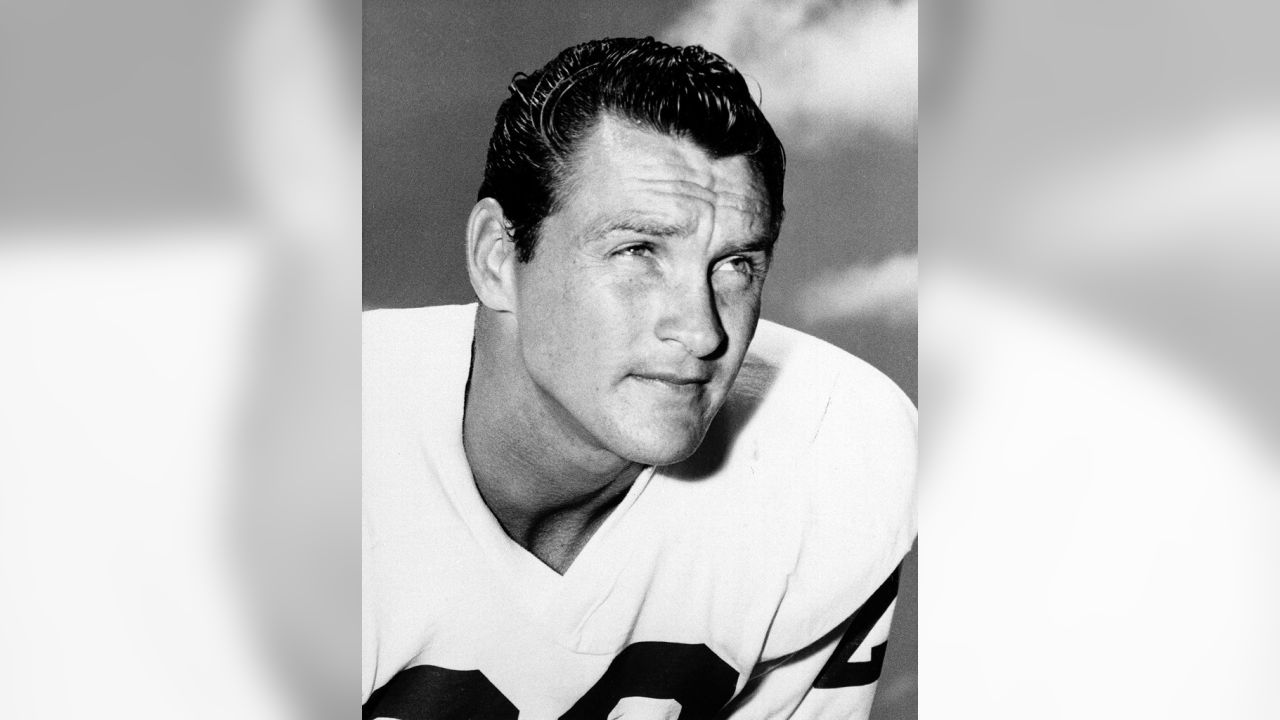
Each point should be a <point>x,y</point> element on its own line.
<point>834,677</point>
<point>829,636</point>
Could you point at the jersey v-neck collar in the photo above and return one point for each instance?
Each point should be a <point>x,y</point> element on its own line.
<point>561,603</point>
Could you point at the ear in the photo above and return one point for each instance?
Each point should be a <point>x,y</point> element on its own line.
<point>491,256</point>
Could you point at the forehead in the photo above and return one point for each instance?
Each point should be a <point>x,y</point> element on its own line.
<point>620,167</point>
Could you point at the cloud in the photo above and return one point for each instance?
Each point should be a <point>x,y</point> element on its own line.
<point>824,68</point>
<point>885,292</point>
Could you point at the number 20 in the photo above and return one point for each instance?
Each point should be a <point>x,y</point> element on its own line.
<point>692,675</point>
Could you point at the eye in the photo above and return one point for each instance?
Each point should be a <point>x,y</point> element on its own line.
<point>640,249</point>
<point>740,272</point>
<point>739,264</point>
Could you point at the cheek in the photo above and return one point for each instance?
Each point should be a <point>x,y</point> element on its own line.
<point>739,311</point>
<point>581,327</point>
<point>622,302</point>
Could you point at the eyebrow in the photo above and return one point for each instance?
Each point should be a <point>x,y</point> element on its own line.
<point>639,224</point>
<point>760,243</point>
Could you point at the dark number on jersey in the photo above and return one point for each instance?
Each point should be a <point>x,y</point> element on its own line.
<point>692,675</point>
<point>839,672</point>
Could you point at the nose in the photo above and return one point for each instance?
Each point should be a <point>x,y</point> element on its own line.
<point>690,317</point>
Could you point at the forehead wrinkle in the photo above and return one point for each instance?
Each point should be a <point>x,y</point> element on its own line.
<point>724,199</point>
<point>695,168</point>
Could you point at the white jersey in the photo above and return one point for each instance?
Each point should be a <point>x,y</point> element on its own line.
<point>754,579</point>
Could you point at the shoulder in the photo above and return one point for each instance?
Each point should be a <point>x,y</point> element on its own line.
<point>814,378</point>
<point>824,438</point>
<point>402,330</point>
<point>399,343</point>
<point>799,400</point>
<point>411,359</point>
<point>837,442</point>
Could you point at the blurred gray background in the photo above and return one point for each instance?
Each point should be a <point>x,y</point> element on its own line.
<point>838,81</point>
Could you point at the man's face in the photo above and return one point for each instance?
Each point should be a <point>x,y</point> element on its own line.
<point>643,292</point>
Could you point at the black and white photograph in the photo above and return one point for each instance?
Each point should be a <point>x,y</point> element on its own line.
<point>632,446</point>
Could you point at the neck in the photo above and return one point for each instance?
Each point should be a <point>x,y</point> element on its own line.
<point>548,487</point>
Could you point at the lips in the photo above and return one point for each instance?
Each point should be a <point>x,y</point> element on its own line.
<point>674,378</point>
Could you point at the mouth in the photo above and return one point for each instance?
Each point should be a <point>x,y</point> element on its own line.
<point>674,380</point>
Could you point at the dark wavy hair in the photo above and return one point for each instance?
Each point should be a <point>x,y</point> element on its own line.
<point>685,92</point>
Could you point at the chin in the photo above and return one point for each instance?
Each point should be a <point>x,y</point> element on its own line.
<point>658,448</point>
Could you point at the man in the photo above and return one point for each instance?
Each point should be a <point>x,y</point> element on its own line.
<point>601,493</point>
